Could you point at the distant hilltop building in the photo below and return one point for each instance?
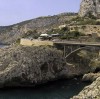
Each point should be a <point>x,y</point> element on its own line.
<point>90,6</point>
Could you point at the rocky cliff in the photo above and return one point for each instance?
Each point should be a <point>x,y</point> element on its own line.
<point>89,7</point>
<point>29,66</point>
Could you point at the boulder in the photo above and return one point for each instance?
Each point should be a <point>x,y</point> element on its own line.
<point>90,77</point>
<point>29,66</point>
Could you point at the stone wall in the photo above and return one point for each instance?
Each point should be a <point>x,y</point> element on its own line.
<point>28,42</point>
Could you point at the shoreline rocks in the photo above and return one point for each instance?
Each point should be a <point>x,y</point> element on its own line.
<point>90,77</point>
<point>90,92</point>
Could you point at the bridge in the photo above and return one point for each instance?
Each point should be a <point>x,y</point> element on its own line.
<point>77,43</point>
<point>70,47</point>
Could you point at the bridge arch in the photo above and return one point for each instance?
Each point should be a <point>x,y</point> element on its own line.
<point>77,50</point>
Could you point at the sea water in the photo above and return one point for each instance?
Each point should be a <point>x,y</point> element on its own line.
<point>61,89</point>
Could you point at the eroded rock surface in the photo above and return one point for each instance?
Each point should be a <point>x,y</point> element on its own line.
<point>90,92</point>
<point>91,77</point>
<point>89,7</point>
<point>28,66</point>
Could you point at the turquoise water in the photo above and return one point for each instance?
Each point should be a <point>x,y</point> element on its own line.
<point>62,89</point>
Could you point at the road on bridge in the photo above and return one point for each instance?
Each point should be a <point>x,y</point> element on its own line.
<point>77,43</point>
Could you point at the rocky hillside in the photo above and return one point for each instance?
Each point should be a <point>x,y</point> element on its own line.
<point>88,7</point>
<point>34,27</point>
<point>9,34</point>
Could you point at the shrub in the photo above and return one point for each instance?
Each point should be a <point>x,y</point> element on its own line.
<point>90,15</point>
<point>69,35</point>
<point>98,23</point>
<point>84,21</point>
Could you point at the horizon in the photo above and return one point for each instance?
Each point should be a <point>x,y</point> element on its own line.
<point>13,12</point>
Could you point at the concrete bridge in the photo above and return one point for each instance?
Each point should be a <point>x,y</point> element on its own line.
<point>70,47</point>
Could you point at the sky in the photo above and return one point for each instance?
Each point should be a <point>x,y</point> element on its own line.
<point>15,11</point>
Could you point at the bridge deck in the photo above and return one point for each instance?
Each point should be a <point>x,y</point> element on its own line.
<point>78,43</point>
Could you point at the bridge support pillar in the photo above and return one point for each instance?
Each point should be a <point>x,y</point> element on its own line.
<point>64,51</point>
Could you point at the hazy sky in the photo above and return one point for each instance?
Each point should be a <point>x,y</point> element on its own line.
<point>14,11</point>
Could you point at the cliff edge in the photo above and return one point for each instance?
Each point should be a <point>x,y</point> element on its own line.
<point>89,7</point>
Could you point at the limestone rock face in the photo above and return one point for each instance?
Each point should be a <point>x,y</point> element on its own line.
<point>89,6</point>
<point>90,92</point>
<point>29,66</point>
<point>91,77</point>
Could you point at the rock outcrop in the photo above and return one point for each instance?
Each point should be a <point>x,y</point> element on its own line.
<point>89,7</point>
<point>90,92</point>
<point>30,66</point>
<point>91,77</point>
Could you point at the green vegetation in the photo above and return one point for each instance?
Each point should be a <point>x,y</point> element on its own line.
<point>97,22</point>
<point>84,21</point>
<point>32,34</point>
<point>72,35</point>
<point>18,41</point>
<point>95,63</point>
<point>90,15</point>
<point>66,34</point>
<point>60,31</point>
